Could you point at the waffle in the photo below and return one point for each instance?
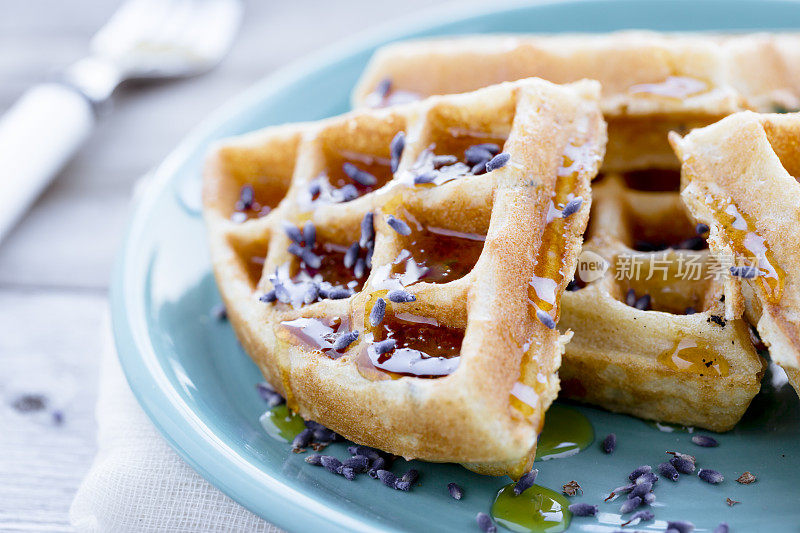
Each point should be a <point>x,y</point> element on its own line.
<point>427,249</point>
<point>739,176</point>
<point>651,338</point>
<point>652,83</point>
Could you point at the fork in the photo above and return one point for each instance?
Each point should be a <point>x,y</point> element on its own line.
<point>145,40</point>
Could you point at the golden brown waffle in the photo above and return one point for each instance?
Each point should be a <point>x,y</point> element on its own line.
<point>652,83</point>
<point>453,274</point>
<point>650,335</point>
<point>739,176</point>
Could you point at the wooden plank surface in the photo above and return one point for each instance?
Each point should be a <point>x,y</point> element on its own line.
<point>54,267</point>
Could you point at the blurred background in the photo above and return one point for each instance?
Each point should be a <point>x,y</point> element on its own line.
<point>56,263</point>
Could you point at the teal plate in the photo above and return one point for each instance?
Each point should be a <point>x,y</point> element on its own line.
<point>197,385</point>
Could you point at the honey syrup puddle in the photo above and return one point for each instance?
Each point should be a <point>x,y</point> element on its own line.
<point>696,357</point>
<point>281,423</point>
<point>739,233</point>
<point>537,510</point>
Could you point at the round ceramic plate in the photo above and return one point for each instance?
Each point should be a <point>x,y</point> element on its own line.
<point>197,385</point>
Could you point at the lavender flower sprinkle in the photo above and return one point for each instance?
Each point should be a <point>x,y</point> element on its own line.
<point>367,230</point>
<point>456,492</point>
<point>303,439</point>
<point>396,148</point>
<point>525,482</point>
<point>361,177</point>
<point>610,443</point>
<point>309,234</point>
<point>583,509</point>
<point>682,465</point>
<point>314,459</point>
<point>398,225</point>
<point>498,161</point>
<point>744,271</point>
<point>351,255</point>
<point>545,319</point>
<point>331,464</point>
<point>705,441</point>
<point>386,477</point>
<point>630,504</point>
<point>400,296</point>
<point>378,312</point>
<point>640,490</point>
<point>486,523</point>
<point>722,528</point>
<point>681,526</point>
<point>384,346</point>
<point>644,469</point>
<point>292,231</point>
<point>268,297</point>
<point>710,476</point>
<point>572,207</point>
<point>344,340</point>
<point>668,471</point>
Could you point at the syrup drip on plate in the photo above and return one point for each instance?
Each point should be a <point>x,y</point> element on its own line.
<point>423,348</point>
<point>537,510</point>
<point>739,233</point>
<point>696,357</point>
<point>566,432</point>
<point>281,423</point>
<point>317,334</point>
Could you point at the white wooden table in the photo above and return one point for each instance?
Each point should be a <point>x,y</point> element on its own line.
<point>54,268</point>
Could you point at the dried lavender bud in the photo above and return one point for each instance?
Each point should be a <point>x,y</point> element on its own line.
<point>383,88</point>
<point>282,294</point>
<point>378,312</point>
<point>425,177</point>
<point>384,346</point>
<point>386,477</point>
<point>398,225</point>
<point>682,465</point>
<point>498,161</point>
<point>649,498</point>
<point>309,234</point>
<point>344,340</point>
<point>572,207</point>
<point>710,476</point>
<point>247,196</point>
<point>367,230</point>
<point>639,471</point>
<point>348,192</point>
<point>377,464</point>
<point>303,439</point>
<point>668,471</point>
<point>705,441</point>
<point>314,459</point>
<point>310,258</point>
<point>368,256</point>
<point>338,293</point>
<point>630,504</point>
<point>630,298</point>
<point>525,482</point>
<point>643,515</point>
<point>351,255</point>
<point>643,303</point>
<point>411,476</point>
<point>640,490</point>
<point>361,177</point>
<point>348,473</point>
<point>324,435</point>
<point>330,463</point>
<point>456,492</point>
<point>622,490</point>
<point>268,297</point>
<point>366,451</point>
<point>405,486</point>
<point>396,148</point>
<point>610,443</point>
<point>486,523</point>
<point>219,312</point>
<point>292,231</point>
<point>647,477</point>
<point>269,395</point>
<point>311,293</point>
<point>722,528</point>
<point>443,160</point>
<point>583,509</point>
<point>477,154</point>
<point>702,229</point>
<point>744,271</point>
<point>400,296</point>
<point>545,319</point>
<point>359,463</point>
<point>681,526</point>
<point>296,249</point>
<point>58,417</point>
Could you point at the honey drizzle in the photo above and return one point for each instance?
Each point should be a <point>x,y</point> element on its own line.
<point>317,334</point>
<point>696,357</point>
<point>738,230</point>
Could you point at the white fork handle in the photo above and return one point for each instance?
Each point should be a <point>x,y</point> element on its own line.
<point>37,136</point>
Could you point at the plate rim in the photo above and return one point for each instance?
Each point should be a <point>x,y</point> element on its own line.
<point>277,503</point>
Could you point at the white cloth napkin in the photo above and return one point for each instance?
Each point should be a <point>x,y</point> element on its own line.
<point>138,483</point>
